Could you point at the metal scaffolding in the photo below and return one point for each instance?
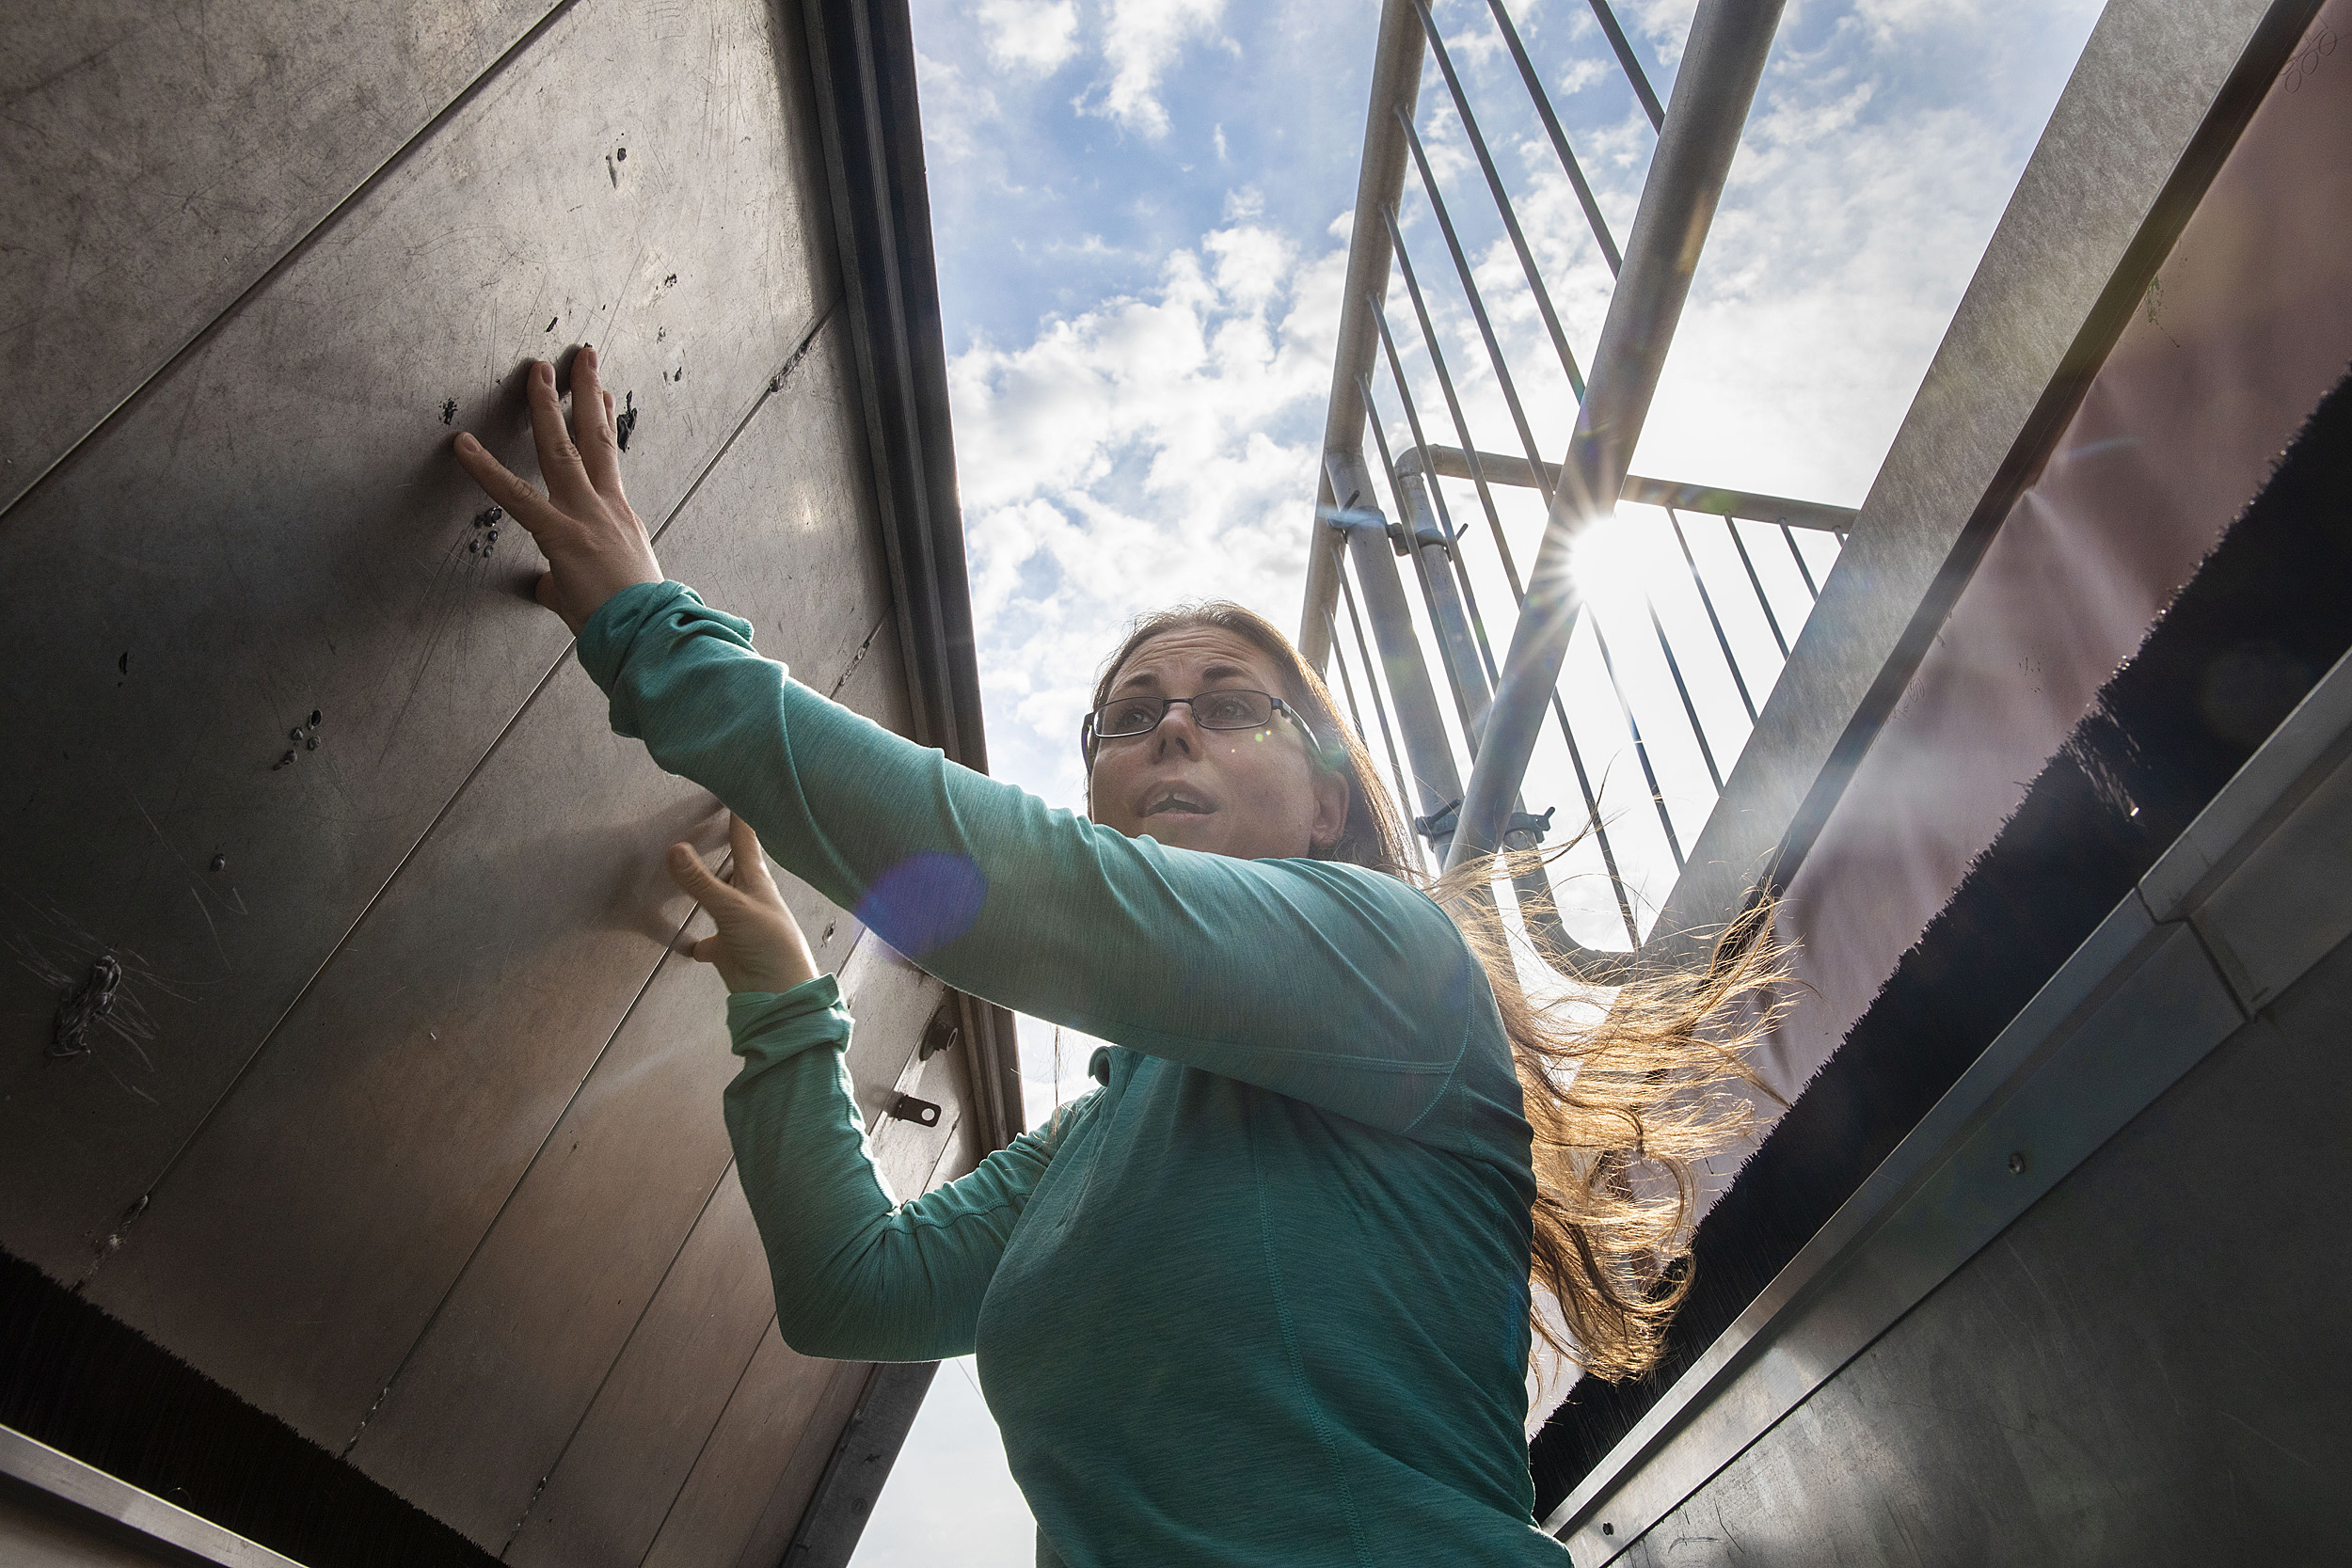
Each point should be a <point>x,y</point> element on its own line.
<point>1464,763</point>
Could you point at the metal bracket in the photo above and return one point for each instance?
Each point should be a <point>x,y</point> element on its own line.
<point>907,1108</point>
<point>1444,822</point>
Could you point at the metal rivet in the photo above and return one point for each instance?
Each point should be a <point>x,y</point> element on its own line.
<point>220,862</point>
<point>2017,1162</point>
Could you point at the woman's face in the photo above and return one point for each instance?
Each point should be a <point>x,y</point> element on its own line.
<point>1251,794</point>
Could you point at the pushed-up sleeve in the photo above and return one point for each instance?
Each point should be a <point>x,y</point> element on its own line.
<point>858,1274</point>
<point>1325,982</point>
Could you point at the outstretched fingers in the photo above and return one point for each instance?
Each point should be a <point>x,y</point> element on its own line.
<point>521,500</point>
<point>592,417</point>
<point>560,461</point>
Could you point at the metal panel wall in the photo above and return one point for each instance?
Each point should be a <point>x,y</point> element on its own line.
<point>2147,1368</point>
<point>406,1126</point>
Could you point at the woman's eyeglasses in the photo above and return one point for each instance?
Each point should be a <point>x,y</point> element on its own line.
<point>1231,709</point>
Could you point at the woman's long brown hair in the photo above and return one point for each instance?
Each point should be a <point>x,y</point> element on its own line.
<point>1623,1102</point>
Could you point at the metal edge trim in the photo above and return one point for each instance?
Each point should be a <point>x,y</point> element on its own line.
<point>2117,955</point>
<point>61,1475</point>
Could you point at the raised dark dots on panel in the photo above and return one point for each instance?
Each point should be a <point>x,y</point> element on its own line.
<point>620,154</point>
<point>220,861</point>
<point>294,733</point>
<point>311,744</point>
<point>625,426</point>
<point>670,281</point>
<point>281,762</point>
<point>123,663</point>
<point>315,717</point>
<point>473,546</point>
<point>449,410</point>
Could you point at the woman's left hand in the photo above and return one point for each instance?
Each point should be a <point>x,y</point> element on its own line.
<point>759,945</point>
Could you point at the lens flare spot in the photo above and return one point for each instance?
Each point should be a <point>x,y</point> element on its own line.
<point>925,902</point>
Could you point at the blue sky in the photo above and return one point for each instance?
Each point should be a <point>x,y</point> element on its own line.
<point>1140,208</point>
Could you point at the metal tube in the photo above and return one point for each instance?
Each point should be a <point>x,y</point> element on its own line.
<point>1802,570</point>
<point>1472,462</point>
<point>1470,291</point>
<point>1756,583</point>
<point>1708,600</point>
<point>1371,683</point>
<point>1379,181</point>
<point>1559,140</point>
<point>1455,463</point>
<point>1426,748</point>
<point>1690,709</point>
<point>1445,520</point>
<point>1503,200</point>
<point>1474,468</point>
<point>1443,605</point>
<point>1641,751</point>
<point>1633,66</point>
<point>1722,64</point>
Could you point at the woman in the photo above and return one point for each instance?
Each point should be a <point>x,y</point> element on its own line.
<point>1263,1297</point>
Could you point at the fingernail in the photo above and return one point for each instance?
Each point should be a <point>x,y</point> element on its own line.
<point>544,373</point>
<point>466,441</point>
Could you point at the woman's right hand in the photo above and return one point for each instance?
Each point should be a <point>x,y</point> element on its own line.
<point>593,542</point>
<point>759,945</point>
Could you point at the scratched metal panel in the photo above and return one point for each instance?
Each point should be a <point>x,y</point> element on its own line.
<point>276,530</point>
<point>754,1477</point>
<point>480,1408</point>
<point>2147,1368</point>
<point>765,1456</point>
<point>162,157</point>
<point>302,1244</point>
<point>635,1450</point>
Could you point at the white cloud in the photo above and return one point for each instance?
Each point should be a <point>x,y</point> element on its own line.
<point>1149,449</point>
<point>1039,36</point>
<point>1141,41</point>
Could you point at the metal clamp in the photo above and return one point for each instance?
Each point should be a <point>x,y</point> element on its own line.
<point>1448,817</point>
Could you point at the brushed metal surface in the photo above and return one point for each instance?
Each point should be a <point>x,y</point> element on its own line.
<point>617,1481</point>
<point>606,1496</point>
<point>779,1426</point>
<point>302,1244</point>
<point>278,529</point>
<point>479,1407</point>
<point>2110,1382</point>
<point>54,1510</point>
<point>163,156</point>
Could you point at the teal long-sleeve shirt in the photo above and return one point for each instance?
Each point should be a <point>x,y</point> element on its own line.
<point>1261,1298</point>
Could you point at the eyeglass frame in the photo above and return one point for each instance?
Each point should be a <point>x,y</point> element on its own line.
<point>1090,742</point>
